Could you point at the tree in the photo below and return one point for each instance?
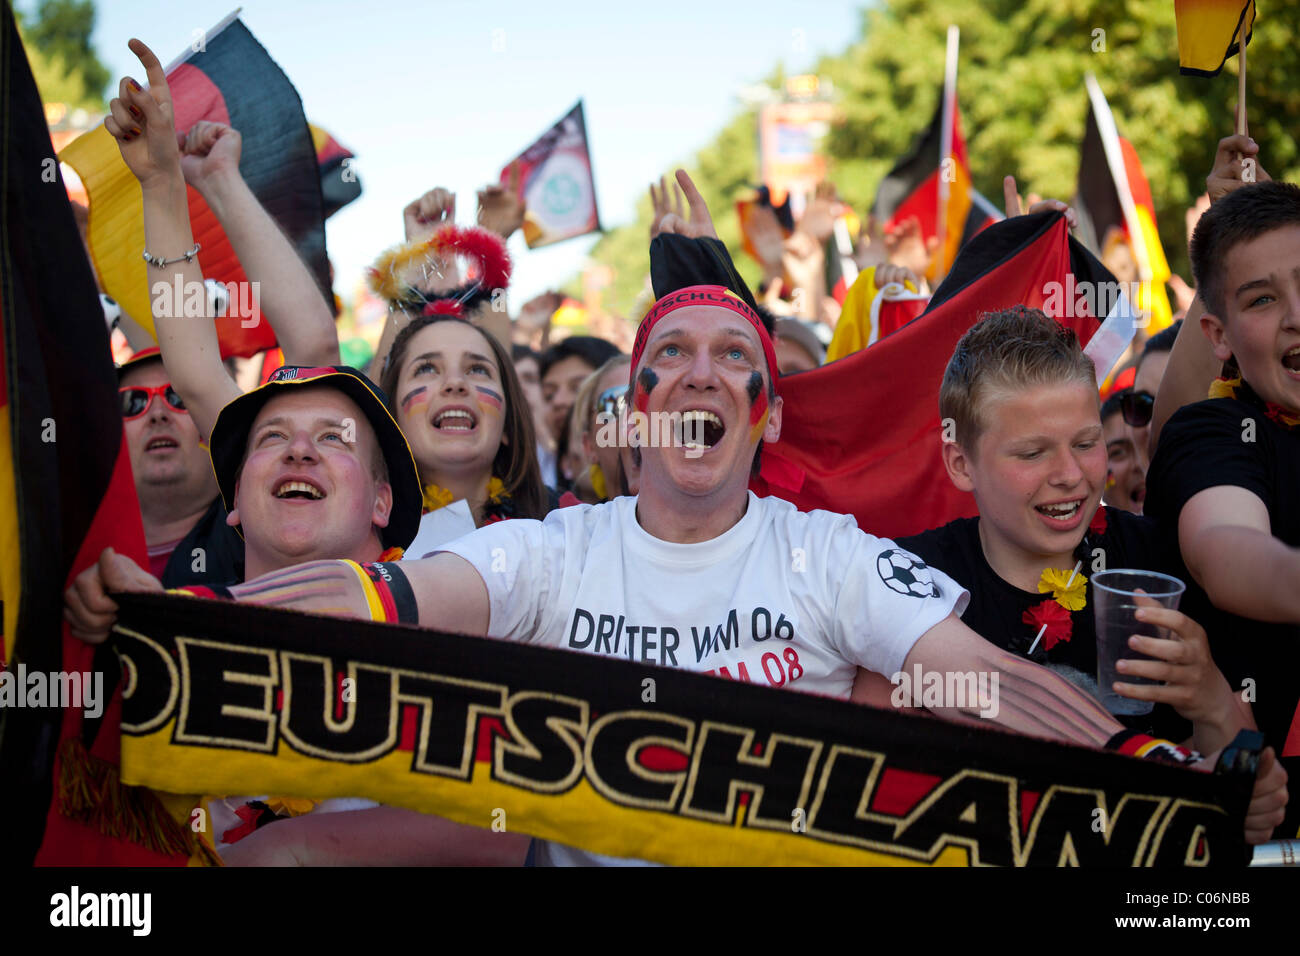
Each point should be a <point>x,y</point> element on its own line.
<point>64,62</point>
<point>1023,106</point>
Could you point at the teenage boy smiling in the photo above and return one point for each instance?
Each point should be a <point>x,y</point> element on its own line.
<point>1226,471</point>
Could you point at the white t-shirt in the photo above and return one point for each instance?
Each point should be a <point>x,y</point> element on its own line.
<point>784,598</point>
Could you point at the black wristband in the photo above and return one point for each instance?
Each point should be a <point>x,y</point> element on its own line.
<point>394,591</point>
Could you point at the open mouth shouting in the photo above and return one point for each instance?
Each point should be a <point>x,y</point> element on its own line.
<point>455,418</point>
<point>701,430</point>
<point>1062,515</point>
<point>161,443</point>
<point>1291,361</point>
<point>298,489</point>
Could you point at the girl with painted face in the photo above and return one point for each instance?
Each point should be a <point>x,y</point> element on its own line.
<point>452,386</point>
<point>455,394</point>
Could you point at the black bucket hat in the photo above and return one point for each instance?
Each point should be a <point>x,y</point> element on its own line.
<point>229,440</point>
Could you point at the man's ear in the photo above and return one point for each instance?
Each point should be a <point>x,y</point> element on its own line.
<point>1216,332</point>
<point>383,504</point>
<point>232,518</point>
<point>773,430</point>
<point>958,463</point>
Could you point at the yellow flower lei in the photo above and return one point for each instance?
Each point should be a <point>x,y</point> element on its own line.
<point>436,496</point>
<point>1227,388</point>
<point>290,806</point>
<point>1070,594</point>
<point>598,482</point>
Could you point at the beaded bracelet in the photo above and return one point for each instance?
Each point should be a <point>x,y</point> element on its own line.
<point>155,261</point>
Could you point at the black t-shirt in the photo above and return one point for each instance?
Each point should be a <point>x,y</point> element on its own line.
<point>1232,441</point>
<point>997,607</point>
<point>212,552</point>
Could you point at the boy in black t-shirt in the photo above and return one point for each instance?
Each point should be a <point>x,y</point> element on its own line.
<point>1226,474</point>
<point>1020,399</point>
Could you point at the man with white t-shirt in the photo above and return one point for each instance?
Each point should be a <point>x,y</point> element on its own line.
<point>697,572</point>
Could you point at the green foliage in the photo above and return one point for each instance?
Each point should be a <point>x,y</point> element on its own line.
<point>1023,106</point>
<point>65,64</point>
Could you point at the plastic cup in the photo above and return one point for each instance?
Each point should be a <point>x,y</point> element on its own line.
<point>1116,597</point>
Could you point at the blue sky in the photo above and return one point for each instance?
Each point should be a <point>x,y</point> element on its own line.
<point>419,93</point>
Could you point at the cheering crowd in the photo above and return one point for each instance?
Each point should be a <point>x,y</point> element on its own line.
<point>470,485</point>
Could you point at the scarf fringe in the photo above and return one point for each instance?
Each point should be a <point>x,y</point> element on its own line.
<point>91,792</point>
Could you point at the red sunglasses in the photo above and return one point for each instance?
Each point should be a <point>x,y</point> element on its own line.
<point>136,399</point>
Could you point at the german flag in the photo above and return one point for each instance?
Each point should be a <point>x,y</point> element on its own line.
<point>66,490</point>
<point>231,80</point>
<point>1117,217</point>
<point>338,180</point>
<point>862,435</point>
<point>912,190</point>
<point>1210,31</point>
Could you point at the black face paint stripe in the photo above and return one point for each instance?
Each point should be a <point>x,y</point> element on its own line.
<point>755,386</point>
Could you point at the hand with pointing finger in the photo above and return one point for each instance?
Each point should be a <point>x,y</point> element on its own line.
<point>142,123</point>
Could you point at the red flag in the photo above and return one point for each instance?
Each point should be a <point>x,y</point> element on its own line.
<point>862,435</point>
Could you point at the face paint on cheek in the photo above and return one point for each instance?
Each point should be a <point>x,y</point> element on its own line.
<point>757,406</point>
<point>645,384</point>
<point>489,399</point>
<point>416,396</point>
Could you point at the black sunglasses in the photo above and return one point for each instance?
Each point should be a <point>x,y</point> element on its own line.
<point>1136,407</point>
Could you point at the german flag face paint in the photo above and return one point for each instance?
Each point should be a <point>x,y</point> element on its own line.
<point>645,384</point>
<point>489,398</point>
<point>758,406</point>
<point>415,397</point>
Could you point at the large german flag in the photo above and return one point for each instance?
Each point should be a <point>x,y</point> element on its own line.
<point>1210,31</point>
<point>862,435</point>
<point>912,190</point>
<point>231,80</point>
<point>66,490</point>
<point>1117,216</point>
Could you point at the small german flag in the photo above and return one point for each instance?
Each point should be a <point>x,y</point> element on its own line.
<point>912,190</point>
<point>338,180</point>
<point>232,80</point>
<point>1211,31</point>
<point>1117,216</point>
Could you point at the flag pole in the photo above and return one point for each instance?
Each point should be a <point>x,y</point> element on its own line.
<point>1241,88</point>
<point>945,150</point>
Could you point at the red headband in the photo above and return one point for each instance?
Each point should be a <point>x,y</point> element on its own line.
<point>703,295</point>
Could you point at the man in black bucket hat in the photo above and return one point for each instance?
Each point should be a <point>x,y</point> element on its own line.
<point>312,464</point>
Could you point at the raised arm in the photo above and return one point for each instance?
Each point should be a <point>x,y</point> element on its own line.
<point>289,297</point>
<point>142,123</point>
<point>1192,365</point>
